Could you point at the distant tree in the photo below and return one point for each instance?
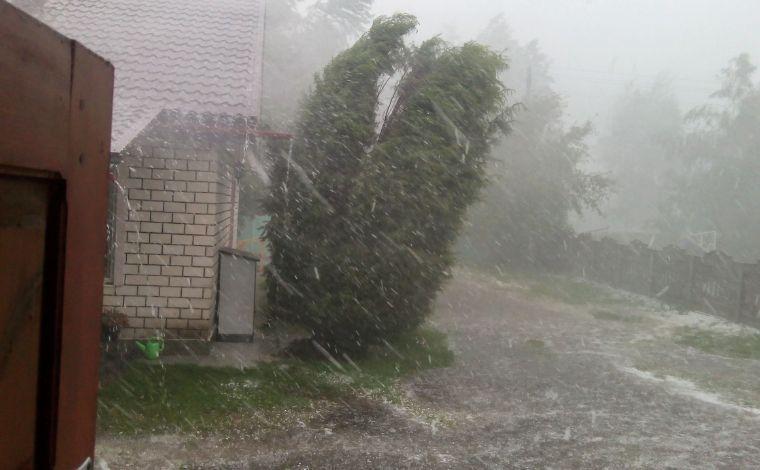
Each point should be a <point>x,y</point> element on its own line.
<point>719,187</point>
<point>528,73</point>
<point>301,38</point>
<point>536,172</point>
<point>364,215</point>
<point>639,146</point>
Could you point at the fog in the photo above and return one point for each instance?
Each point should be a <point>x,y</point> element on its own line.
<point>596,47</point>
<point>634,71</point>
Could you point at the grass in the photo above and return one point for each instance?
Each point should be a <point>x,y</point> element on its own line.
<point>734,388</point>
<point>535,344</point>
<point>614,316</point>
<point>720,344</point>
<point>155,398</point>
<point>572,291</point>
<point>561,288</point>
<point>538,349</point>
<point>734,381</point>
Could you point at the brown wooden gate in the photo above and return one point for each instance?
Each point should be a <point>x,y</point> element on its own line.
<point>55,115</point>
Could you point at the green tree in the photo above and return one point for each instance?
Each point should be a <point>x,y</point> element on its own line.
<point>536,172</point>
<point>301,38</point>
<point>364,215</point>
<point>719,188</point>
<point>640,148</point>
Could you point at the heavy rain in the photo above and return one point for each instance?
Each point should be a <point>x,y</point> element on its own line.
<point>309,234</point>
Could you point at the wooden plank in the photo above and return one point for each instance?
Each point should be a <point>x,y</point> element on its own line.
<point>35,79</point>
<point>55,116</point>
<point>23,209</point>
<point>87,194</point>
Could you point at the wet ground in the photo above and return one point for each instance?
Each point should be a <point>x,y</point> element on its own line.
<point>536,384</point>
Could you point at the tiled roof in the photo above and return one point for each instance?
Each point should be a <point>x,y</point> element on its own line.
<point>202,56</point>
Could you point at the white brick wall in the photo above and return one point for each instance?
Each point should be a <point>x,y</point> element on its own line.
<point>178,213</point>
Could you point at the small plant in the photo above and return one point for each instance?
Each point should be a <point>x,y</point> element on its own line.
<point>111,323</point>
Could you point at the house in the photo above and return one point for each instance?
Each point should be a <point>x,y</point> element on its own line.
<point>186,104</point>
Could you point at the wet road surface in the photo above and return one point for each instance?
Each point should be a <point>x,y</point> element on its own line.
<point>536,384</point>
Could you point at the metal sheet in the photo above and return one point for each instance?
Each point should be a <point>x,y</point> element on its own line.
<point>237,293</point>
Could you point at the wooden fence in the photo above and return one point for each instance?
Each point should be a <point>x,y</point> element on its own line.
<point>713,283</point>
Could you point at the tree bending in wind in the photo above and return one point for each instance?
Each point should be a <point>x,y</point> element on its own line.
<point>364,216</point>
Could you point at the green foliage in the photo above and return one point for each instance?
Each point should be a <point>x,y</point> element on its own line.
<point>188,398</point>
<point>253,192</point>
<point>363,220</point>
<point>721,344</point>
<point>301,37</point>
<point>719,188</point>
<point>615,316</point>
<point>536,172</point>
<point>639,146</point>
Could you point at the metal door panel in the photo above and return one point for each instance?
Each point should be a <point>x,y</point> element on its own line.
<point>237,292</point>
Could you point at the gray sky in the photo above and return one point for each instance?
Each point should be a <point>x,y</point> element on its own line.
<point>598,46</point>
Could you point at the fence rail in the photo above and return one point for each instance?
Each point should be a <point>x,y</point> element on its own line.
<point>714,282</point>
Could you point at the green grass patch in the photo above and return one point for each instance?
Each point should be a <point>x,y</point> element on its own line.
<point>735,387</point>
<point>572,291</point>
<point>538,349</point>
<point>615,316</point>
<point>535,344</point>
<point>564,289</point>
<point>156,398</point>
<point>720,344</point>
<point>569,290</point>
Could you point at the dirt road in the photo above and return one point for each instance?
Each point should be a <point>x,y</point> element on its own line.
<point>536,384</point>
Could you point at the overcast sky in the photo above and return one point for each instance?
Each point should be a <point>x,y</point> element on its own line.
<point>597,46</point>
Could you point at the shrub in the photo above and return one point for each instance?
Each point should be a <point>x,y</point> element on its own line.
<point>363,219</point>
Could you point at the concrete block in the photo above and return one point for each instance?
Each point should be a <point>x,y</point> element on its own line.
<point>181,239</point>
<point>181,261</point>
<point>150,227</point>
<point>149,270</point>
<point>134,301</point>
<point>175,207</point>
<point>174,228</point>
<point>171,270</point>
<point>161,238</point>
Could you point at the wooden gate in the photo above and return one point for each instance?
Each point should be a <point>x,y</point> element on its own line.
<point>55,123</point>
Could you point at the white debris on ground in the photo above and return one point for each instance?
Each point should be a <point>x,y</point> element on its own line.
<point>653,308</point>
<point>688,388</point>
<point>506,403</point>
<point>704,321</point>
